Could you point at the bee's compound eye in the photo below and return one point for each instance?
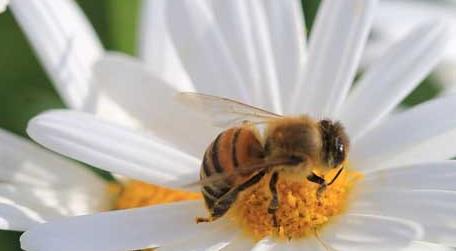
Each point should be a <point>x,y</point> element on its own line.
<point>335,143</point>
<point>338,153</point>
<point>339,146</point>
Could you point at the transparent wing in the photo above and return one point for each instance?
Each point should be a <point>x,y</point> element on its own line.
<point>224,112</point>
<point>249,169</point>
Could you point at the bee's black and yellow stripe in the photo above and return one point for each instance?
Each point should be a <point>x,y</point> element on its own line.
<point>234,148</point>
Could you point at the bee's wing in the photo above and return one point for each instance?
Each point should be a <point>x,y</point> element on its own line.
<point>243,170</point>
<point>224,112</point>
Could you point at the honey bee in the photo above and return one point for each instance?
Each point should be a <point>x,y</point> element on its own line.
<point>240,156</point>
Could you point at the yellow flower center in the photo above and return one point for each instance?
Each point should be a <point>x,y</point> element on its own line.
<point>140,194</point>
<point>301,212</point>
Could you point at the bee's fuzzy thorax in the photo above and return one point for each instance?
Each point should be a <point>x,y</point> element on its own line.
<point>297,136</point>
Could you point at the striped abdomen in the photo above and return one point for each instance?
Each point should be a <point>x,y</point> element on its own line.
<point>234,148</point>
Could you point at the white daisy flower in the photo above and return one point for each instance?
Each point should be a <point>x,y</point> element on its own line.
<point>394,17</point>
<point>254,52</point>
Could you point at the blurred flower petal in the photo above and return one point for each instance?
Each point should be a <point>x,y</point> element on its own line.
<point>152,102</point>
<point>432,209</point>
<point>426,246</point>
<point>268,89</point>
<point>113,148</point>
<point>383,87</point>
<point>335,47</point>
<point>25,163</point>
<point>310,243</point>
<point>423,133</point>
<point>23,207</point>
<point>121,230</point>
<point>288,39</point>
<point>370,232</point>
<point>431,175</point>
<point>156,47</point>
<point>3,5</point>
<point>203,51</point>
<point>265,244</point>
<point>239,242</point>
<point>16,217</point>
<point>234,22</point>
<point>215,240</point>
<point>446,76</point>
<point>244,27</point>
<point>65,43</point>
<point>37,185</point>
<point>395,17</point>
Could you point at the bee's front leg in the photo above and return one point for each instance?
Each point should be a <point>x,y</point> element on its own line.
<point>274,204</point>
<point>318,180</point>
<point>322,182</point>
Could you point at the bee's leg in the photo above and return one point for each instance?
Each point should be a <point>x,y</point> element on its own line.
<point>274,204</point>
<point>320,181</point>
<point>224,203</point>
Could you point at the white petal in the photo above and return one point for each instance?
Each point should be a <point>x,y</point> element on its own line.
<point>335,47</point>
<point>288,39</point>
<point>17,217</point>
<point>433,175</point>
<point>37,185</point>
<point>240,242</point>
<point>244,27</point>
<point>265,244</point>
<point>121,230</point>
<point>3,5</point>
<point>152,102</point>
<point>423,133</point>
<point>65,43</point>
<point>23,207</point>
<point>25,163</point>
<point>298,245</point>
<point>107,108</point>
<point>156,47</point>
<point>426,246</point>
<point>392,77</point>
<point>394,17</point>
<point>369,232</point>
<point>433,209</point>
<point>235,24</point>
<point>267,75</point>
<point>213,240</point>
<point>446,76</point>
<point>202,50</point>
<point>113,148</point>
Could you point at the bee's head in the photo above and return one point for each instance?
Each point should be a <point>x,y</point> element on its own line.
<point>335,143</point>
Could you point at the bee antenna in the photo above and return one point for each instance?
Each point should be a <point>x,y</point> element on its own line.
<point>326,246</point>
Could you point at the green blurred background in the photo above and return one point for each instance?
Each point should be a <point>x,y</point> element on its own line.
<point>25,90</point>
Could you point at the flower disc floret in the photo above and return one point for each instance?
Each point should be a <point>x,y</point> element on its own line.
<point>301,211</point>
